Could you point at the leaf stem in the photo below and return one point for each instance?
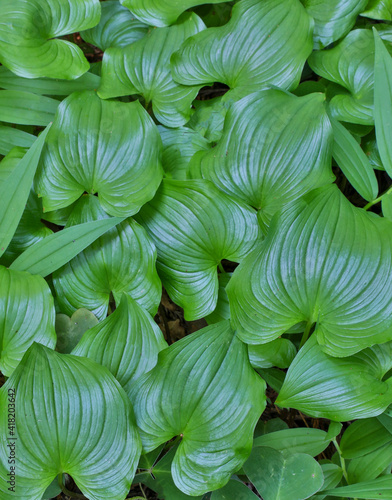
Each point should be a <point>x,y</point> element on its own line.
<point>341,458</point>
<point>66,491</point>
<point>306,333</point>
<point>221,268</point>
<point>377,200</point>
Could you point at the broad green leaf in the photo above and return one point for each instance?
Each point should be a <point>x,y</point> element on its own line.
<point>300,440</point>
<point>203,389</point>
<point>70,330</point>
<point>350,64</point>
<point>26,316</point>
<point>122,260</point>
<point>332,476</point>
<point>161,12</point>
<point>57,249</point>
<point>386,205</point>
<point>333,18</point>
<point>340,389</point>
<point>222,309</point>
<point>353,162</point>
<point>283,477</point>
<point>179,145</point>
<point>279,352</point>
<point>30,36</point>
<point>117,27</point>
<point>383,102</point>
<point>379,9</point>
<point>26,108</point>
<point>369,466</point>
<point>378,489</point>
<point>127,342</point>
<point>71,416</point>
<point>15,190</point>
<point>104,147</point>
<point>12,137</point>
<point>143,68</point>
<point>47,86</point>
<point>244,52</point>
<point>275,147</point>
<point>324,262</point>
<point>386,419</point>
<point>194,226</point>
<point>363,437</point>
<point>234,490</point>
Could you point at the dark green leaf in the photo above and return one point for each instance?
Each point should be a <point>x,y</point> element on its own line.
<point>279,353</point>
<point>70,330</point>
<point>234,490</point>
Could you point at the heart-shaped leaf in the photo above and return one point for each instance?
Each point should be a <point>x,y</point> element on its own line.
<point>122,260</point>
<point>279,477</point>
<point>25,318</point>
<point>264,42</point>
<point>275,147</point>
<point>194,226</point>
<point>379,9</point>
<point>144,68</point>
<point>70,330</point>
<point>204,389</point>
<point>74,418</point>
<point>127,342</point>
<point>28,31</point>
<point>117,27</point>
<point>105,147</point>
<point>26,108</point>
<point>321,258</point>
<point>338,388</point>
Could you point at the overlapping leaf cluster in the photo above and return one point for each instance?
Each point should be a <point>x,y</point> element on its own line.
<point>137,182</point>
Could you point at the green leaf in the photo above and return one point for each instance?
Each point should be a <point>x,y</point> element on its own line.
<point>52,491</point>
<point>204,389</point>
<point>28,31</point>
<point>275,147</point>
<point>27,316</point>
<point>12,137</point>
<point>337,388</point>
<point>105,147</point>
<point>280,477</point>
<point>161,13</point>
<point>26,108</point>
<point>362,437</point>
<point>300,440</point>
<point>51,253</point>
<point>273,377</point>
<point>223,54</point>
<point>383,102</point>
<point>370,466</point>
<point>15,190</point>
<point>194,226</point>
<point>47,86</point>
<point>70,330</point>
<point>143,68</point>
<point>324,262</point>
<point>378,489</point>
<point>386,205</point>
<point>75,418</point>
<point>379,9</point>
<point>127,342</point>
<point>209,117</point>
<point>353,162</point>
<point>117,27</point>
<point>386,419</point>
<point>234,490</point>
<point>350,64</point>
<point>222,309</point>
<point>333,18</point>
<point>279,352</point>
<point>122,260</point>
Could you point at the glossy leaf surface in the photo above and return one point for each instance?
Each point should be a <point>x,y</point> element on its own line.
<point>279,352</point>
<point>379,9</point>
<point>26,108</point>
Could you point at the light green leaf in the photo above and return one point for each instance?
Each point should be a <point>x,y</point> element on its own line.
<point>127,342</point>
<point>340,389</point>
<point>105,147</point>
<point>350,64</point>
<point>26,108</point>
<point>353,162</point>
<point>379,9</point>
<point>75,418</point>
<point>279,352</point>
<point>244,52</point>
<point>122,260</point>
<point>275,147</point>
<point>28,31</point>
<point>15,190</point>
<point>70,330</point>
<point>299,440</point>
<point>161,12</point>
<point>234,490</point>
<point>12,137</point>
<point>369,466</point>
<point>378,489</point>
<point>383,102</point>
<point>204,389</point>
<point>144,68</point>
<point>280,477</point>
<point>363,437</point>
<point>47,86</point>
<point>333,18</point>
<point>117,27</point>
<point>27,316</point>
<point>324,262</point>
<point>194,226</point>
